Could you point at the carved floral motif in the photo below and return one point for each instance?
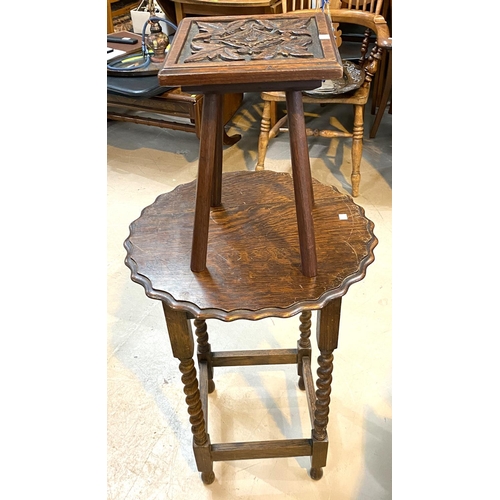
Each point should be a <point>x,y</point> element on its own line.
<point>251,39</point>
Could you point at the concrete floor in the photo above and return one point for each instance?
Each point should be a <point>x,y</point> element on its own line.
<point>149,438</point>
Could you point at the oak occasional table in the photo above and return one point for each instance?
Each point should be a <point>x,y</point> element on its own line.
<point>253,272</point>
<point>226,54</point>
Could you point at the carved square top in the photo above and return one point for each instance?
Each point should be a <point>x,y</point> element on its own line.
<point>263,52</point>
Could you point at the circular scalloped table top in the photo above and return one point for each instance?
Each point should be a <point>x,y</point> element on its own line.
<point>253,261</point>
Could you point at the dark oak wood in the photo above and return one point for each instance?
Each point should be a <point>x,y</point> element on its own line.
<point>204,377</point>
<point>206,173</point>
<point>318,458</point>
<point>253,247</point>
<point>303,344</point>
<point>323,62</point>
<point>302,183</point>
<point>216,55</point>
<point>204,351</point>
<point>253,273</point>
<point>256,357</point>
<point>309,386</point>
<point>261,449</point>
<point>327,336</point>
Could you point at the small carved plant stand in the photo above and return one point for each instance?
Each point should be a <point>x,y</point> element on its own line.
<point>253,272</point>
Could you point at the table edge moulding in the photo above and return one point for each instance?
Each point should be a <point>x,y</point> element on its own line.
<point>250,245</point>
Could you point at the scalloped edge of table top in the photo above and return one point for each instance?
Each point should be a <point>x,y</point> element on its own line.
<point>246,313</point>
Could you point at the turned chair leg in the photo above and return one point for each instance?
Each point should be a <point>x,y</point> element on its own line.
<point>357,148</point>
<point>265,126</point>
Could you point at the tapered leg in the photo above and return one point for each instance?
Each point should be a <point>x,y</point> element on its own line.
<point>302,182</point>
<point>216,197</point>
<point>327,336</point>
<point>210,143</point>
<point>357,148</point>
<point>303,344</point>
<point>181,340</point>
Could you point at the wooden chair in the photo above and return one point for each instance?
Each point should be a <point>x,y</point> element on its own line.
<point>353,88</point>
<point>382,85</point>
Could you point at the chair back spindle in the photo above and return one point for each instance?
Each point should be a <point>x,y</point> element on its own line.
<point>371,6</point>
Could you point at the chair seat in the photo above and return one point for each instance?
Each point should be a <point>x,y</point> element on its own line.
<point>358,96</point>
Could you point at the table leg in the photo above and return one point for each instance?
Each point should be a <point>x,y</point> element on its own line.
<point>181,340</point>
<point>302,181</point>
<point>205,351</point>
<point>328,322</point>
<point>209,170</point>
<point>216,198</point>
<point>303,344</point>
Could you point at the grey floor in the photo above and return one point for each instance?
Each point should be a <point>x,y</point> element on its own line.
<point>149,439</point>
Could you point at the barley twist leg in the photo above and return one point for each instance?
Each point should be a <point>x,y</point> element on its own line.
<point>327,335</point>
<point>193,401</point>
<point>182,342</point>
<point>204,350</point>
<point>304,344</point>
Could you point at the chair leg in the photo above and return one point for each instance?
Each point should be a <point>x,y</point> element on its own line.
<point>273,114</point>
<point>265,125</point>
<point>357,148</point>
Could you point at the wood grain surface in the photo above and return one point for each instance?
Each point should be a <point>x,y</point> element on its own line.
<point>253,74</point>
<point>253,261</point>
